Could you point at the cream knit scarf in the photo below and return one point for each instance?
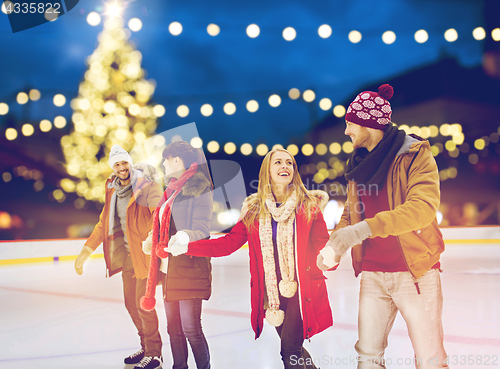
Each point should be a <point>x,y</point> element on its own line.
<point>285,217</point>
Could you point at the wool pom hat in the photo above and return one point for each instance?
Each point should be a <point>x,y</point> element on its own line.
<point>117,154</point>
<point>371,109</point>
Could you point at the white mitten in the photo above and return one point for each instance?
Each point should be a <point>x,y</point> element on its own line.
<point>178,244</point>
<point>330,258</point>
<point>350,236</point>
<point>82,258</point>
<point>147,244</point>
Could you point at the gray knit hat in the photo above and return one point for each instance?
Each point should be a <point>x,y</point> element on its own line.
<point>117,154</point>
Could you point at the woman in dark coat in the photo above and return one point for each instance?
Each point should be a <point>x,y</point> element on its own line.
<point>184,215</point>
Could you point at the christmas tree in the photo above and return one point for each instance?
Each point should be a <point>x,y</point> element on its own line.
<point>113,107</point>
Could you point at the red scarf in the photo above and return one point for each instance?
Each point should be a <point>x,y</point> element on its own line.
<point>160,234</point>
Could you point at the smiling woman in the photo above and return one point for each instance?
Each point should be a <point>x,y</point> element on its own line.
<point>284,226</point>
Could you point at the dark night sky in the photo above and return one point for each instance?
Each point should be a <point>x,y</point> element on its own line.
<point>195,68</point>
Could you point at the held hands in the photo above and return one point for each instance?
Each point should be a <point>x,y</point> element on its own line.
<point>350,236</point>
<point>178,244</point>
<point>147,244</point>
<point>327,258</point>
<point>82,258</point>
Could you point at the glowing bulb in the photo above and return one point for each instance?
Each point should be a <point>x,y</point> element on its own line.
<point>175,28</point>
<point>230,148</point>
<point>207,110</point>
<point>93,19</point>
<point>229,109</point>
<point>253,31</point>
<point>294,93</point>
<point>252,106</point>
<point>307,149</point>
<point>262,149</point>
<point>35,95</point>
<point>309,95</point>
<point>22,98</point>
<point>59,100</point>
<point>196,142</point>
<point>182,111</point>
<point>325,104</point>
<point>246,149</point>
<point>389,37</point>
<point>289,34</point>
<point>135,24</point>
<point>213,29</point>
<point>355,36</point>
<point>213,146</point>
<point>274,101</point>
<point>421,36</point>
<point>4,108</point>
<point>159,110</point>
<point>10,134</point>
<point>495,34</point>
<point>451,35</point>
<point>325,31</point>
<point>27,129</point>
<point>339,111</point>
<point>479,33</point>
<point>293,149</point>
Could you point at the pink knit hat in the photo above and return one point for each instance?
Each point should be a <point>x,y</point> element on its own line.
<point>371,109</point>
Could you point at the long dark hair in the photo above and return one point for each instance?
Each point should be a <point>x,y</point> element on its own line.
<point>189,155</point>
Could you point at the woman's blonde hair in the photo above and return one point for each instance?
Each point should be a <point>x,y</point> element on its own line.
<point>257,204</point>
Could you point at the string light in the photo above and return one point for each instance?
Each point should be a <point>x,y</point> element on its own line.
<point>135,24</point>
<point>35,95</point>
<point>252,106</point>
<point>289,34</point>
<point>253,31</point>
<point>175,28</point>
<point>451,35</point>
<point>229,108</point>
<point>246,149</point>
<point>93,19</point>
<point>274,101</point>
<point>355,36</point>
<point>262,149</point>
<point>213,29</point>
<point>325,31</point>
<point>4,108</point>
<point>389,37</point>
<point>421,36</point>
<point>479,33</point>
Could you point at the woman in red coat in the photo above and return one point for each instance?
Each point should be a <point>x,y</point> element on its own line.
<point>285,230</point>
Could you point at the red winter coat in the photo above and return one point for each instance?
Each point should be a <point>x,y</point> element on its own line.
<point>310,237</point>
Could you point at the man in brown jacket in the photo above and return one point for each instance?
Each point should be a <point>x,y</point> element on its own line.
<point>389,221</point>
<point>124,223</point>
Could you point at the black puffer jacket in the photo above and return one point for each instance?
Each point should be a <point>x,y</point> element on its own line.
<point>190,277</point>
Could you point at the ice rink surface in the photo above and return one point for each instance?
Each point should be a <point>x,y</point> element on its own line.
<point>53,318</point>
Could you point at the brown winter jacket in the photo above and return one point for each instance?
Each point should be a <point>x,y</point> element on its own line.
<point>190,277</point>
<point>413,191</point>
<point>140,211</point>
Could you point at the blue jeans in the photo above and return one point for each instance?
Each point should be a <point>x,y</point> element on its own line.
<point>381,296</point>
<point>184,321</point>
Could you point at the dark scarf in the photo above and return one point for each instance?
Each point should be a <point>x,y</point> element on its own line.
<point>371,167</point>
<point>160,233</point>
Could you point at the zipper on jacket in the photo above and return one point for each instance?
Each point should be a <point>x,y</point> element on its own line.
<point>416,285</point>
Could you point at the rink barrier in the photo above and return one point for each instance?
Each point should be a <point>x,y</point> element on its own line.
<point>42,251</point>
